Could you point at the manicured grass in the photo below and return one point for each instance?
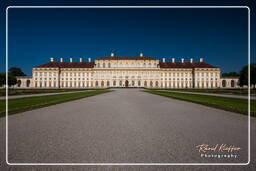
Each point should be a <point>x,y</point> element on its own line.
<point>216,90</point>
<point>225,103</point>
<point>29,103</point>
<point>19,91</point>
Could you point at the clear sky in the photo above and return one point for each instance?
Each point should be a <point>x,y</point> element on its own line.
<point>217,35</point>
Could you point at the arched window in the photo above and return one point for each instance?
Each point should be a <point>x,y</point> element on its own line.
<point>107,83</point>
<point>102,83</point>
<point>232,83</point>
<point>151,84</point>
<point>133,83</point>
<point>96,84</point>
<point>19,83</point>
<point>103,65</point>
<point>109,65</point>
<point>145,83</point>
<point>156,83</point>
<point>120,83</point>
<point>114,83</point>
<point>224,83</point>
<point>138,83</point>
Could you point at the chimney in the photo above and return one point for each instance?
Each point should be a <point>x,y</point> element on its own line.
<point>80,59</point>
<point>112,54</point>
<point>89,59</point>
<point>191,60</point>
<point>163,59</point>
<point>141,54</point>
<point>182,60</point>
<point>52,59</point>
<point>61,59</point>
<point>70,59</point>
<point>201,59</point>
<point>173,60</point>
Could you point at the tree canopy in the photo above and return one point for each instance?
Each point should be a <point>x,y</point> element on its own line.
<point>230,74</point>
<point>15,71</point>
<point>12,80</point>
<point>243,79</point>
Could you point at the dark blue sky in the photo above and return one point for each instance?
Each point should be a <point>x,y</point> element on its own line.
<point>217,35</point>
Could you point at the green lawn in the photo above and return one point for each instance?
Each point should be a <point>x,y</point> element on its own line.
<point>22,91</point>
<point>29,103</point>
<point>225,103</point>
<point>216,90</point>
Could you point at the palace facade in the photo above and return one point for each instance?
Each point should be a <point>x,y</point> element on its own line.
<point>126,71</point>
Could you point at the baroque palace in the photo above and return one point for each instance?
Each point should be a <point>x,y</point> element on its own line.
<point>126,71</point>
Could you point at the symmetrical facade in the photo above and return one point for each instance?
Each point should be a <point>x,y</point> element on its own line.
<point>126,71</point>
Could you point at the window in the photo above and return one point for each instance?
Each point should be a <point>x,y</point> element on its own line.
<point>151,84</point>
<point>145,83</point>
<point>156,83</point>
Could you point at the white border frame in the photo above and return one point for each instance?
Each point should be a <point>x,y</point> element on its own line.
<point>123,164</point>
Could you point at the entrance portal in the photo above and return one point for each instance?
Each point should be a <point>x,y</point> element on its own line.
<point>126,83</point>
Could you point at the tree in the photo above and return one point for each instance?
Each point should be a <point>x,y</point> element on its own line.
<point>15,71</point>
<point>12,80</point>
<point>230,74</point>
<point>2,79</point>
<point>243,79</point>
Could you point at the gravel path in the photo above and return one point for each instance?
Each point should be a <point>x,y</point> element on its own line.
<point>126,125</point>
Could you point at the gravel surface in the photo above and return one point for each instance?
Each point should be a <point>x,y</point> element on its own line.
<point>124,126</point>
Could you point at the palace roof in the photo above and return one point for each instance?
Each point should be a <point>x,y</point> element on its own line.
<point>126,58</point>
<point>91,64</point>
<point>66,65</point>
<point>185,65</point>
